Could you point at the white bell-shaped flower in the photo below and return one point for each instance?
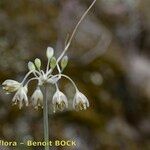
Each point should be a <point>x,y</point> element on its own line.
<point>80,101</point>
<point>59,101</point>
<point>10,86</point>
<point>21,97</point>
<point>37,98</point>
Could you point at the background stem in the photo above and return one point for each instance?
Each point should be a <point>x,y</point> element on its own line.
<point>45,117</point>
<point>74,31</point>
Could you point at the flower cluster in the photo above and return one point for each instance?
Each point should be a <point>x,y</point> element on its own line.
<point>59,100</point>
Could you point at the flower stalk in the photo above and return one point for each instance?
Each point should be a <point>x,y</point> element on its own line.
<point>74,31</point>
<point>45,116</point>
<point>46,78</point>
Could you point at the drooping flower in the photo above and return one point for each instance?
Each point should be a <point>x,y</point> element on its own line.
<point>59,101</point>
<point>80,101</point>
<point>21,97</point>
<point>37,98</point>
<point>10,86</point>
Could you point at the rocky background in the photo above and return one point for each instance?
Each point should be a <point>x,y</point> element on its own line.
<point>108,59</point>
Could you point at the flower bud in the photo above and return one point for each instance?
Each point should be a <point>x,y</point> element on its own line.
<point>49,52</point>
<point>31,66</point>
<point>37,63</point>
<point>53,62</point>
<point>64,62</point>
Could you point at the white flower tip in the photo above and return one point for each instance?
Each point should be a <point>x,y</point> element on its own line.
<point>49,52</point>
<point>31,66</point>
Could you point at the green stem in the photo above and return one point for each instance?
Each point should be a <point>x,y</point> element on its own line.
<point>45,116</point>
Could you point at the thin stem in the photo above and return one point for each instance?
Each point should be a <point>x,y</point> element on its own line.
<point>49,72</point>
<point>47,68</point>
<point>39,70</point>
<point>42,72</point>
<point>31,80</point>
<point>56,87</point>
<point>35,74</point>
<point>39,73</point>
<point>67,77</point>
<point>45,117</point>
<point>26,76</point>
<point>66,41</point>
<point>69,39</point>
<point>74,31</point>
<point>50,75</point>
<point>59,70</point>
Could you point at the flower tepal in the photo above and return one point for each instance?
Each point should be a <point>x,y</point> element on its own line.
<point>59,101</point>
<point>37,98</point>
<point>80,101</point>
<point>21,97</point>
<point>10,86</point>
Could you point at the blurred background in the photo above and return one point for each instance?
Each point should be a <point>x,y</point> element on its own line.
<point>108,60</point>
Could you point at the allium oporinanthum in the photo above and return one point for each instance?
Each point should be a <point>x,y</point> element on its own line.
<point>59,100</point>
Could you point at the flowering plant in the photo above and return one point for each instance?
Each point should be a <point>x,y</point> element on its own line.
<point>44,78</point>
